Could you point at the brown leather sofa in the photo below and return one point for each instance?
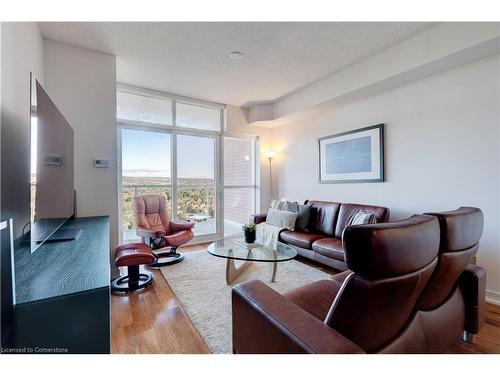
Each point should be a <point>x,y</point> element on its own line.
<point>410,289</point>
<point>323,242</point>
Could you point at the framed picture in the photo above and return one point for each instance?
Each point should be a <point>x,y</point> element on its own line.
<point>353,156</point>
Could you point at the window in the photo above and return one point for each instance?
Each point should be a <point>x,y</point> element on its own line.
<point>172,153</point>
<point>197,117</point>
<point>141,108</point>
<point>172,146</point>
<point>145,170</point>
<point>239,183</point>
<point>196,182</point>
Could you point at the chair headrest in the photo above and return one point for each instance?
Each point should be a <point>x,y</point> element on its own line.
<point>149,204</point>
<point>385,250</point>
<point>460,229</point>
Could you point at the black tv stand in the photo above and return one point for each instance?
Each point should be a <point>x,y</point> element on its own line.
<point>63,291</point>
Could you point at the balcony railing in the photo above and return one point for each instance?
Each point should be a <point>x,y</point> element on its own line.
<point>195,202</point>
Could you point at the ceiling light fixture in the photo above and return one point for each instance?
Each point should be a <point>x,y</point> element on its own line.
<point>236,55</point>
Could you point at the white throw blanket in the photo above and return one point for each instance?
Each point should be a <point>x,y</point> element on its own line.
<point>268,234</point>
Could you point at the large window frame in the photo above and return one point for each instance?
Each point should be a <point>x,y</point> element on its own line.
<point>174,130</point>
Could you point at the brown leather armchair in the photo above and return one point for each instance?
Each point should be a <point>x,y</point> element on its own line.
<point>409,289</point>
<point>158,231</point>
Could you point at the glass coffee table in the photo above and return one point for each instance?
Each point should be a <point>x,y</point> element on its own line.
<point>235,248</point>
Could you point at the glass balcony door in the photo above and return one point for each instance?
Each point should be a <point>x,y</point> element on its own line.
<point>171,146</point>
<point>195,182</point>
<point>146,169</point>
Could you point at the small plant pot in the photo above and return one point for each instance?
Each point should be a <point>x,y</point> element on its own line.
<point>250,237</point>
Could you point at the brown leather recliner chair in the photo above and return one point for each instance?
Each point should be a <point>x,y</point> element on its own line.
<point>158,231</point>
<point>410,289</point>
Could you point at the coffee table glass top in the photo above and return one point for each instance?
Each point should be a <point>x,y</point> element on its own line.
<point>234,248</point>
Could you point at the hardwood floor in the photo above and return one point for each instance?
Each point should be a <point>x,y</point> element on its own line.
<point>488,340</point>
<point>153,321</point>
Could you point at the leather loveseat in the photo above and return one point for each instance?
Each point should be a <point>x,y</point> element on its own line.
<point>410,288</point>
<point>327,221</point>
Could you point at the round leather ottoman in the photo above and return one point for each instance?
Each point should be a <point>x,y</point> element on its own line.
<point>133,255</point>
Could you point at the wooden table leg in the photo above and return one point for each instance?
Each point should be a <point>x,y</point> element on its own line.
<point>232,272</point>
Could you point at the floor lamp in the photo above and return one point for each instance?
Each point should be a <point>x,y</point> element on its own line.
<point>270,155</point>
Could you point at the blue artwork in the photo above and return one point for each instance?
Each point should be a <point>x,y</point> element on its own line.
<point>351,156</point>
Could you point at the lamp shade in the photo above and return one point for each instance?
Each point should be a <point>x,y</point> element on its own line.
<point>270,154</point>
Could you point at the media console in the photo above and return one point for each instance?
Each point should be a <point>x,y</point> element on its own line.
<point>62,296</point>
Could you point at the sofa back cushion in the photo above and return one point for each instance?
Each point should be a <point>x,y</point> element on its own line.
<point>348,210</point>
<point>323,217</point>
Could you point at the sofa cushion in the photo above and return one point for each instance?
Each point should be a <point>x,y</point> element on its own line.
<point>323,217</point>
<point>348,210</point>
<point>300,239</point>
<point>315,298</point>
<point>329,247</point>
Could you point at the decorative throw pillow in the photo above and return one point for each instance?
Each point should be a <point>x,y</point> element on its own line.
<point>284,219</point>
<point>275,204</point>
<point>284,205</point>
<point>304,212</point>
<point>362,218</point>
<point>290,206</point>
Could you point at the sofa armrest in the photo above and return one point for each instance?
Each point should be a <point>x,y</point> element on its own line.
<point>473,284</point>
<point>176,226</point>
<point>265,322</point>
<point>148,233</point>
<point>259,218</point>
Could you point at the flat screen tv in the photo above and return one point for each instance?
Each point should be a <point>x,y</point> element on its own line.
<point>52,169</point>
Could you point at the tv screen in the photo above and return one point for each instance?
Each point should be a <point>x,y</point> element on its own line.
<point>52,176</point>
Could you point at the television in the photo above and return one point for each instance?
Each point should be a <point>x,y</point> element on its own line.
<point>52,168</point>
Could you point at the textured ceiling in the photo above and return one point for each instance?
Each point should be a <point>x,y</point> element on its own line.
<point>192,59</point>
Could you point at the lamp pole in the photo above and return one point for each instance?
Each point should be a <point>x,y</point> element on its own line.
<point>270,177</point>
<point>270,155</point>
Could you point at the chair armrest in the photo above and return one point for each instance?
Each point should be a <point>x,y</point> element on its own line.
<point>259,218</point>
<point>176,227</point>
<point>473,284</point>
<point>149,233</point>
<point>265,322</point>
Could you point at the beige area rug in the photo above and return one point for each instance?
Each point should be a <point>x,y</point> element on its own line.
<point>199,282</point>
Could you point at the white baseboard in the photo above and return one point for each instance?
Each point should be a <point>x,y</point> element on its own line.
<point>492,297</point>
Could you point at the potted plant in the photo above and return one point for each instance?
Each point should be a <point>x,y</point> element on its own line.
<point>249,230</point>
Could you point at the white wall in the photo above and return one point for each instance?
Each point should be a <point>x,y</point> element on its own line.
<point>22,53</point>
<point>82,83</point>
<point>237,123</point>
<point>442,151</point>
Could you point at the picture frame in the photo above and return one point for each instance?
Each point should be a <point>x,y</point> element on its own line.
<point>355,156</point>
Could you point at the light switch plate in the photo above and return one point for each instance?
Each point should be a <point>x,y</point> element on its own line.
<point>101,163</point>
<point>53,160</point>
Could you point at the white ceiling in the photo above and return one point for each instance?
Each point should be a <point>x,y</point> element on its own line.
<point>192,59</point>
